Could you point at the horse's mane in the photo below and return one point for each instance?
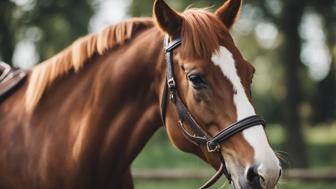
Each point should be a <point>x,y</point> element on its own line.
<point>74,56</point>
<point>201,33</point>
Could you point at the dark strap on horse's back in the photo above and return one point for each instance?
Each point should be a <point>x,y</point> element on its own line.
<point>4,70</point>
<point>10,80</point>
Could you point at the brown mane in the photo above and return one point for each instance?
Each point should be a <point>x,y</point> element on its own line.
<point>201,33</point>
<point>74,57</point>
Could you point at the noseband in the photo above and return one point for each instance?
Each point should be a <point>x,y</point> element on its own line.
<point>199,136</point>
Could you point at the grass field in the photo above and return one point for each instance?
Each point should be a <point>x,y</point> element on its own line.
<point>194,184</point>
<point>160,153</point>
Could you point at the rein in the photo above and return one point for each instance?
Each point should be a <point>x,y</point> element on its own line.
<point>199,136</point>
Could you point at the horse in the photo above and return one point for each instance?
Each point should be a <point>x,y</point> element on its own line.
<point>83,116</point>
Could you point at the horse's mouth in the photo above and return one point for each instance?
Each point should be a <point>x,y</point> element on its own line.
<point>242,183</point>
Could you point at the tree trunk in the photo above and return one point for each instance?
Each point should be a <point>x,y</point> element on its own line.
<point>6,35</point>
<point>290,21</point>
<point>324,102</point>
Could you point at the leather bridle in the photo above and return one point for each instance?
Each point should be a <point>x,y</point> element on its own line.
<point>199,136</point>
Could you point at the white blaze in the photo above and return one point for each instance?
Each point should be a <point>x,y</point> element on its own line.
<point>255,136</point>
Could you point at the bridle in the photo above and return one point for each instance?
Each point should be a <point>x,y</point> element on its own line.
<point>199,136</point>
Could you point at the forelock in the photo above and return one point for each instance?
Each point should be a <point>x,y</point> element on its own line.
<point>201,33</point>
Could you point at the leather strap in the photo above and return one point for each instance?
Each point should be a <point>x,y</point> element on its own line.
<point>13,80</point>
<point>5,70</point>
<point>222,170</point>
<point>236,128</point>
<point>199,136</point>
<point>194,133</point>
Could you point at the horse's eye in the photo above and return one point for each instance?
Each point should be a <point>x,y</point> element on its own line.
<point>197,81</point>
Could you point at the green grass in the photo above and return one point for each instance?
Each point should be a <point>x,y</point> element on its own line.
<point>183,184</point>
<point>160,153</point>
<point>192,184</point>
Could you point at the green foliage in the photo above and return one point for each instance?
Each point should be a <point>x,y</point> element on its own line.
<point>7,27</point>
<point>60,21</point>
<point>50,24</point>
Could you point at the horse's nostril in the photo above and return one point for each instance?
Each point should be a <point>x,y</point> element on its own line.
<point>253,177</point>
<point>252,174</point>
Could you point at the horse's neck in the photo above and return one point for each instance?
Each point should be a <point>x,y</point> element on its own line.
<point>110,107</point>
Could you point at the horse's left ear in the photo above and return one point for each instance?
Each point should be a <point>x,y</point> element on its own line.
<point>167,18</point>
<point>229,12</point>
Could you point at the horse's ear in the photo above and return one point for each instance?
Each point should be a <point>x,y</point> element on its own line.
<point>229,12</point>
<point>166,18</point>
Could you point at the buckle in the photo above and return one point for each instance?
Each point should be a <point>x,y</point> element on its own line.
<point>212,148</point>
<point>172,97</point>
<point>171,83</point>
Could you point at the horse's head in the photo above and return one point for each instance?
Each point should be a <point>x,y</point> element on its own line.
<point>213,80</point>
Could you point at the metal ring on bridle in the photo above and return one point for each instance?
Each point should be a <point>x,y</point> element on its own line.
<point>212,147</point>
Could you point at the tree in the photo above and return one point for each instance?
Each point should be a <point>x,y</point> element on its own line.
<point>290,20</point>
<point>7,27</point>
<point>324,101</point>
<point>57,22</point>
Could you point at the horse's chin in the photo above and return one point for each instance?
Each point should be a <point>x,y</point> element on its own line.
<point>240,182</point>
<point>240,185</point>
<point>237,184</point>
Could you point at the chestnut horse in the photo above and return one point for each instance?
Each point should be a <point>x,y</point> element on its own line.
<point>85,114</point>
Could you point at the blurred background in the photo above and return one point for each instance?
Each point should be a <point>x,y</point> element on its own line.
<point>292,44</point>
